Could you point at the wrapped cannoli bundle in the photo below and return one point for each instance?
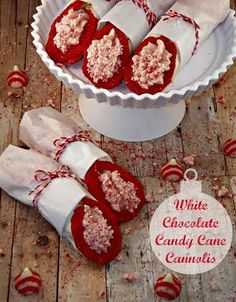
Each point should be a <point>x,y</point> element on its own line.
<point>39,181</point>
<point>73,29</point>
<point>122,29</point>
<point>49,132</point>
<point>172,42</point>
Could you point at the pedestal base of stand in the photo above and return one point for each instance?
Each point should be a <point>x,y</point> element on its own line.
<point>131,124</point>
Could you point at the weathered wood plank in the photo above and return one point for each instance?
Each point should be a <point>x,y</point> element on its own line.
<point>225,90</point>
<point>200,133</point>
<point>9,120</point>
<point>29,225</point>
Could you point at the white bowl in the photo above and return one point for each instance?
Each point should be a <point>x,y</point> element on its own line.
<point>211,61</point>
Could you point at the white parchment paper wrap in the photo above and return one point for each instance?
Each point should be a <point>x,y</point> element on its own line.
<point>132,20</point>
<point>56,202</point>
<point>207,13</point>
<point>101,7</point>
<point>39,128</point>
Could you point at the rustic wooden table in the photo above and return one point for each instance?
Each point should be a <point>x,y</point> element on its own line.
<point>66,275</point>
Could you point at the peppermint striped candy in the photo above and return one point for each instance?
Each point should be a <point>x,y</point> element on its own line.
<point>28,282</point>
<point>172,171</point>
<point>230,148</point>
<point>168,287</point>
<point>17,78</point>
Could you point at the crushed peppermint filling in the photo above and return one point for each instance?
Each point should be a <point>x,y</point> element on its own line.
<point>104,57</point>
<point>150,64</point>
<point>120,194</point>
<point>70,28</point>
<point>97,233</point>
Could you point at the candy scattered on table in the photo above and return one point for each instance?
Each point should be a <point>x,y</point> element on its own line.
<point>102,295</point>
<point>230,148</point>
<point>28,282</point>
<point>190,160</point>
<point>221,99</point>
<point>168,287</point>
<point>223,192</point>
<point>131,276</point>
<point>172,171</point>
<point>17,78</point>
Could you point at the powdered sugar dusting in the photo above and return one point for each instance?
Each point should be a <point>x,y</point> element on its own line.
<point>70,28</point>
<point>104,57</point>
<point>120,194</point>
<point>97,233</point>
<point>150,64</point>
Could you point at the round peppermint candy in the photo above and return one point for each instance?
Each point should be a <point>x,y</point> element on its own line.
<point>172,171</point>
<point>17,78</point>
<point>230,148</point>
<point>168,287</point>
<point>28,282</point>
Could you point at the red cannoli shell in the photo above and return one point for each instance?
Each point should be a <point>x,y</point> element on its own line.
<point>94,186</point>
<point>117,78</point>
<point>77,230</point>
<point>75,52</point>
<point>168,75</point>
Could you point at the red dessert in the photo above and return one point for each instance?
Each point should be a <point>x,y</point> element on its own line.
<point>28,282</point>
<point>230,148</point>
<point>152,66</point>
<point>106,57</point>
<point>172,171</point>
<point>168,287</point>
<point>120,190</point>
<point>95,231</point>
<point>71,32</point>
<point>17,78</point>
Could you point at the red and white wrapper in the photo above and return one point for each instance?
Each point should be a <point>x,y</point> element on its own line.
<point>57,200</point>
<point>101,7</point>
<point>202,18</point>
<point>125,15</point>
<point>51,133</point>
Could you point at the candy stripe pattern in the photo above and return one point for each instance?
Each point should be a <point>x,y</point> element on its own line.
<point>28,282</point>
<point>230,148</point>
<point>17,78</point>
<point>45,178</point>
<point>172,171</point>
<point>151,16</point>
<point>172,14</point>
<point>168,287</point>
<point>63,142</point>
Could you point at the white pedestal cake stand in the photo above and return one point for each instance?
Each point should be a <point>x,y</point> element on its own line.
<point>131,124</point>
<point>123,115</point>
<point>142,124</point>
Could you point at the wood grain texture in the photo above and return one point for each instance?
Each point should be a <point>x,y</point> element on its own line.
<point>9,121</point>
<point>67,276</point>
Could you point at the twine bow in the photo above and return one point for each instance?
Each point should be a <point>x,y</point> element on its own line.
<point>151,16</point>
<point>62,142</point>
<point>45,178</point>
<point>172,14</point>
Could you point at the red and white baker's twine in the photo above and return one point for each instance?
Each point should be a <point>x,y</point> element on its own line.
<point>62,142</point>
<point>151,16</point>
<point>172,14</point>
<point>45,178</point>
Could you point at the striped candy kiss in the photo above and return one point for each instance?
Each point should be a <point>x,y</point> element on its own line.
<point>168,287</point>
<point>17,78</point>
<point>172,171</point>
<point>230,148</point>
<point>28,282</point>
